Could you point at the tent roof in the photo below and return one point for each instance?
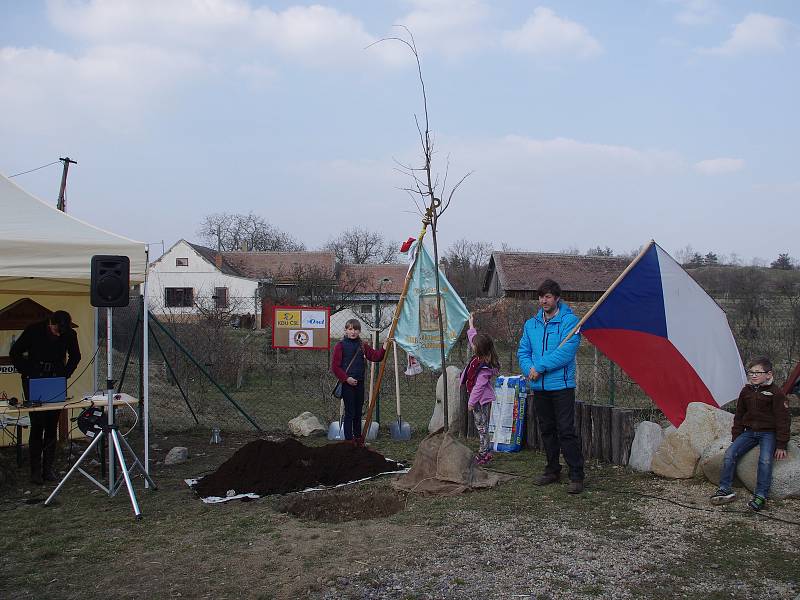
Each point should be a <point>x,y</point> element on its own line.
<point>38,240</point>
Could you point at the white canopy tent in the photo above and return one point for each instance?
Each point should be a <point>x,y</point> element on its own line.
<point>45,256</point>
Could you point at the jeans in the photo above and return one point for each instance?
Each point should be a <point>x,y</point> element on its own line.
<point>42,440</point>
<point>353,397</point>
<point>747,440</point>
<point>555,411</point>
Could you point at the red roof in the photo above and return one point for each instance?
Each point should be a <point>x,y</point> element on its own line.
<point>282,265</point>
<point>366,278</point>
<point>524,271</point>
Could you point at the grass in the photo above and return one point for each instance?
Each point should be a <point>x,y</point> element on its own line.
<point>250,549</point>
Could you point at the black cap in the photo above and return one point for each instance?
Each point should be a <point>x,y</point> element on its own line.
<point>62,319</point>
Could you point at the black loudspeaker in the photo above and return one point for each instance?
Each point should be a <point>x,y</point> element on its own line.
<point>110,280</point>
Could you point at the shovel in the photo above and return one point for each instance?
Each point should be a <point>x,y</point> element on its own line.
<point>336,428</point>
<point>399,429</point>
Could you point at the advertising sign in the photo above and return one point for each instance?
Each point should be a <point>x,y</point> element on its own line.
<point>301,327</point>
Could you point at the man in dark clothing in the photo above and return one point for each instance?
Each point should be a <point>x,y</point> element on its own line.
<point>48,348</point>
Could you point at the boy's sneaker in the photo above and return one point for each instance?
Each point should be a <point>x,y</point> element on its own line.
<point>723,496</point>
<point>757,503</point>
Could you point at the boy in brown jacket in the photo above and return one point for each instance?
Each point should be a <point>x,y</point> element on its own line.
<point>762,419</point>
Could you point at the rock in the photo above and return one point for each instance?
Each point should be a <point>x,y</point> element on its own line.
<point>785,473</point>
<point>675,458</point>
<point>177,455</point>
<point>647,440</point>
<point>306,425</point>
<point>455,412</point>
<point>704,424</point>
<point>711,458</point>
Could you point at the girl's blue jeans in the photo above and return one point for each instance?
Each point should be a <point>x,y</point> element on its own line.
<point>747,440</point>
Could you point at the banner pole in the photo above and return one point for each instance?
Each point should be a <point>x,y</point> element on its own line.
<point>390,336</point>
<point>597,304</point>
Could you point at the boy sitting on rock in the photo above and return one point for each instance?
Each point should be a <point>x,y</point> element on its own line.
<point>762,419</point>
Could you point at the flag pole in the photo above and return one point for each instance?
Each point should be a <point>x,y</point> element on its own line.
<point>390,336</point>
<point>597,304</point>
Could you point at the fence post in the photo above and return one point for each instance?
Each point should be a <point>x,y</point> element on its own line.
<point>612,384</point>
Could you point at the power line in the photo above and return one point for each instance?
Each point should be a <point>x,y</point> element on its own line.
<point>32,170</point>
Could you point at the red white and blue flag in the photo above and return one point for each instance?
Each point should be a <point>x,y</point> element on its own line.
<point>668,335</point>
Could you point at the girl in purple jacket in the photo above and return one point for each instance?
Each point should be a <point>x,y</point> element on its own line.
<point>478,378</point>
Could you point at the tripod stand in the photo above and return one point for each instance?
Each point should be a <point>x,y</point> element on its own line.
<point>115,443</point>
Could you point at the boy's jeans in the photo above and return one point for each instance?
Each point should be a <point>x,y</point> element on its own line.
<point>741,445</point>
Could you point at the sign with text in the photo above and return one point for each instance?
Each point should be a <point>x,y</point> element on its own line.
<point>301,327</point>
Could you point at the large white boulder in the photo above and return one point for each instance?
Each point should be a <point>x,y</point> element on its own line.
<point>646,441</point>
<point>305,425</point>
<point>455,412</point>
<point>785,472</point>
<point>675,458</point>
<point>704,424</point>
<point>712,457</point>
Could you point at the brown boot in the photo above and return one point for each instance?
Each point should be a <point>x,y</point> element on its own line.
<point>575,487</point>
<point>547,479</point>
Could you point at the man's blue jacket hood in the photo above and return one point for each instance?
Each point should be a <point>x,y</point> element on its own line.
<point>539,349</point>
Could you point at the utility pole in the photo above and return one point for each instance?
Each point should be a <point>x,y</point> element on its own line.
<point>61,201</point>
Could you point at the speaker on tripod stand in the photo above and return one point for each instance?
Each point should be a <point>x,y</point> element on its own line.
<point>109,288</point>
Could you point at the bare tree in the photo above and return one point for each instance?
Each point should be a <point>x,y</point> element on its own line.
<point>428,190</point>
<point>600,251</point>
<point>230,232</point>
<point>361,246</point>
<point>465,263</point>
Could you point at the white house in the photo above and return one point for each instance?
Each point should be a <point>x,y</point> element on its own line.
<point>189,277</point>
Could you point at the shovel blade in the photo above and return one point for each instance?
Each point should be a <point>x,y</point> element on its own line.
<point>335,431</point>
<point>400,430</point>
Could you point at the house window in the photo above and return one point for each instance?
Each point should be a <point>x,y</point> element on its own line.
<point>181,262</point>
<point>366,309</point>
<point>178,297</point>
<point>221,297</point>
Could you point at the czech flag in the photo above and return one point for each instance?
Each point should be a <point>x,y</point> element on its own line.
<point>667,334</point>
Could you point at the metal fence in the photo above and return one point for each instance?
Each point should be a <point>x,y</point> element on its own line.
<point>207,373</point>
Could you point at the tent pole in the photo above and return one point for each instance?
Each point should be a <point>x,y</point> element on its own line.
<point>146,369</point>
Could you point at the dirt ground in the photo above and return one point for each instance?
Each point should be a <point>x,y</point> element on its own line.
<point>628,536</point>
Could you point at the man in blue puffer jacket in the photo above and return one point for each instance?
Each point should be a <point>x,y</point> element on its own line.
<point>551,371</point>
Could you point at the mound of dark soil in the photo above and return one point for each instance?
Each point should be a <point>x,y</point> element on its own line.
<point>265,467</point>
<point>336,506</point>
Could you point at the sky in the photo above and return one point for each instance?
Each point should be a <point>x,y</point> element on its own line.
<point>579,123</point>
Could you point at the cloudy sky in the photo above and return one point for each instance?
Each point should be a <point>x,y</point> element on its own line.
<point>583,123</point>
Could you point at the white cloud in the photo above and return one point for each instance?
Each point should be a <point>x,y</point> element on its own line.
<point>452,27</point>
<point>109,86</point>
<point>314,35</point>
<point>757,33</point>
<point>546,34</point>
<point>697,12</point>
<point>719,166</point>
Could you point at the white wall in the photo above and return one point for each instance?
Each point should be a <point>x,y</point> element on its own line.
<point>200,275</point>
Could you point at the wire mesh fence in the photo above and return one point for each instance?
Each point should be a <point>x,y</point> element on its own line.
<point>204,372</point>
